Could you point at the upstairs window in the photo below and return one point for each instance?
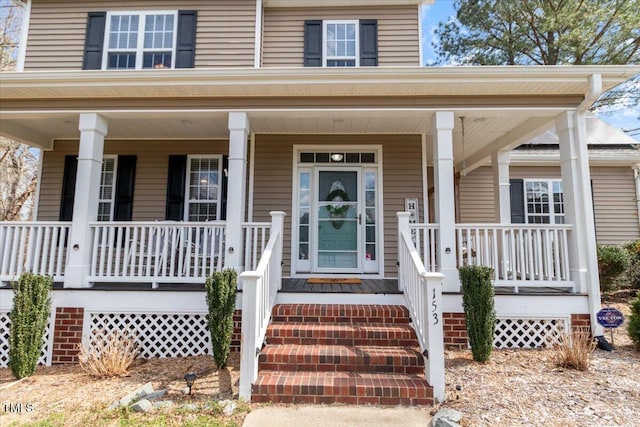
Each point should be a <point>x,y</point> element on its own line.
<point>140,40</point>
<point>341,43</point>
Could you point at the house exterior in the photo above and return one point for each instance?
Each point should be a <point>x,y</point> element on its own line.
<point>294,143</point>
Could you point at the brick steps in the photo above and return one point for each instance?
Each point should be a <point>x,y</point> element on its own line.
<point>334,333</point>
<point>342,387</point>
<point>340,353</point>
<point>324,358</point>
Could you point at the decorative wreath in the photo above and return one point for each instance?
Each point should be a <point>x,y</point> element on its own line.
<point>333,209</point>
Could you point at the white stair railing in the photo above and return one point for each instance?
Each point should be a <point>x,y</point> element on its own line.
<point>156,251</point>
<point>37,247</point>
<point>423,295</point>
<point>256,235</point>
<point>259,290</point>
<point>520,255</point>
<point>424,237</point>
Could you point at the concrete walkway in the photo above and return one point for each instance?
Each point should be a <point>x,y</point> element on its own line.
<point>337,416</point>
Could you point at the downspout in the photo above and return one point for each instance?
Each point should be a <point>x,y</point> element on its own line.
<point>595,303</point>
<point>24,33</point>
<point>258,36</point>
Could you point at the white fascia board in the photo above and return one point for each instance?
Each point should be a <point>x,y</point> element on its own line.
<point>381,81</point>
<point>342,3</point>
<point>627,157</point>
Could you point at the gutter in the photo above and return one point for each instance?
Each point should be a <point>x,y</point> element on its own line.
<point>595,90</point>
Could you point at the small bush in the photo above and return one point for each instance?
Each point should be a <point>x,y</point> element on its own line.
<point>634,322</point>
<point>479,311</point>
<point>221,302</point>
<point>574,351</point>
<point>612,262</point>
<point>633,249</point>
<point>633,274</point>
<point>29,317</point>
<point>109,355</point>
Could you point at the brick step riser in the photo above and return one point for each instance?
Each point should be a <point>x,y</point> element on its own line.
<point>339,319</point>
<point>383,342</point>
<point>347,400</point>
<point>345,367</point>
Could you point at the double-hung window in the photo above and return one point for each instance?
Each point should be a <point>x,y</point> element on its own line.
<point>544,201</point>
<point>341,43</point>
<point>137,40</point>
<point>203,192</point>
<point>106,198</point>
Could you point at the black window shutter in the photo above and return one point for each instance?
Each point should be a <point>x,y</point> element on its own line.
<point>368,43</point>
<point>186,39</point>
<point>94,41</point>
<point>68,187</point>
<point>313,43</point>
<point>517,201</point>
<point>125,184</point>
<point>225,187</point>
<point>175,187</point>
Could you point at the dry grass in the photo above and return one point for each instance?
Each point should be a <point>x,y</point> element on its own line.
<point>110,354</point>
<point>574,351</point>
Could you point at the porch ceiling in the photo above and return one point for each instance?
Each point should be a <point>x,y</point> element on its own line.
<point>501,105</point>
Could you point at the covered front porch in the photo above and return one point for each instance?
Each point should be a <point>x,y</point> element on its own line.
<point>342,177</point>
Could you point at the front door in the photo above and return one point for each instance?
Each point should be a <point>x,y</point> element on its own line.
<point>338,221</point>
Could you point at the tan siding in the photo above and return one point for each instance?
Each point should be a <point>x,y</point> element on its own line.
<point>613,193</point>
<point>402,178</point>
<point>615,204</point>
<point>476,196</point>
<point>151,173</point>
<point>225,31</point>
<point>398,38</point>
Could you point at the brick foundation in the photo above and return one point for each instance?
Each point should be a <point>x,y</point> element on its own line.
<point>580,321</point>
<point>67,334</point>
<point>237,331</point>
<point>455,331</point>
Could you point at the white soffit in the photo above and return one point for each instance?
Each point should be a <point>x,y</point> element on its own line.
<point>599,132</point>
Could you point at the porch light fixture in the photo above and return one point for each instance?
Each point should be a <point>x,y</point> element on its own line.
<point>337,157</point>
<point>190,378</point>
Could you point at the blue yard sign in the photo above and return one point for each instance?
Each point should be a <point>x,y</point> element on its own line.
<point>610,318</point>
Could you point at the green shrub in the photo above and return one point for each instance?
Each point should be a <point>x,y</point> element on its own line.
<point>221,301</point>
<point>29,317</point>
<point>612,262</point>
<point>479,311</point>
<point>633,249</point>
<point>634,322</point>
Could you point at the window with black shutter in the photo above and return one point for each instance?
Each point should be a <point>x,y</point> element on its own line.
<point>340,43</point>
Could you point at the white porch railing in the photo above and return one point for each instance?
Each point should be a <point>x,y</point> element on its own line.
<point>520,255</point>
<point>423,295</point>
<point>156,251</point>
<point>256,235</point>
<point>424,237</point>
<point>259,289</point>
<point>37,247</point>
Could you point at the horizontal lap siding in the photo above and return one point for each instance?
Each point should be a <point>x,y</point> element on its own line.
<point>398,38</point>
<point>151,173</point>
<point>402,178</point>
<point>225,31</point>
<point>614,197</point>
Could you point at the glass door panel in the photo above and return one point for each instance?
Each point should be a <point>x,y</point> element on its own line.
<point>338,220</point>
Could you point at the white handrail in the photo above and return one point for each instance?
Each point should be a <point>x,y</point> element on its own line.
<point>424,238</point>
<point>520,254</point>
<point>256,235</point>
<point>423,295</point>
<point>33,246</point>
<point>259,290</point>
<point>156,251</point>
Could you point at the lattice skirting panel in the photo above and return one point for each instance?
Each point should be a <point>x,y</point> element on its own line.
<point>528,332</point>
<point>157,334</point>
<point>45,354</point>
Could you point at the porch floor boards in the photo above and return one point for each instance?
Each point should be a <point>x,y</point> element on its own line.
<point>368,286</point>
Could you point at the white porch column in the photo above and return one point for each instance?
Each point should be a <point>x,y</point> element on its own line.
<point>444,198</point>
<point>93,129</point>
<point>237,173</point>
<point>578,208</point>
<point>502,189</point>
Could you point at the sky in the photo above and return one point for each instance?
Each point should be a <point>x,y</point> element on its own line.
<point>442,11</point>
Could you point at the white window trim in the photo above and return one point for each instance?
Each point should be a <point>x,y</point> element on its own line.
<point>325,57</point>
<point>112,200</point>
<point>187,192</point>
<point>140,49</point>
<point>552,215</point>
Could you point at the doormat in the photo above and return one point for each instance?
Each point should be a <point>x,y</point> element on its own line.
<point>334,281</point>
